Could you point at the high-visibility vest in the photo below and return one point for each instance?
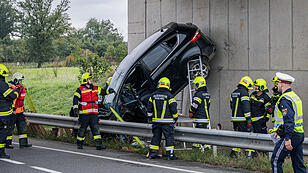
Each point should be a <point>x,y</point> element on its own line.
<point>89,100</point>
<point>18,103</point>
<point>298,112</point>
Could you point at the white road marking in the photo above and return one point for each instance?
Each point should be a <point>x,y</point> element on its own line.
<point>44,169</point>
<point>116,159</point>
<point>12,161</point>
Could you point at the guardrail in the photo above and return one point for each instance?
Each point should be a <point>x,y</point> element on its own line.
<point>255,141</point>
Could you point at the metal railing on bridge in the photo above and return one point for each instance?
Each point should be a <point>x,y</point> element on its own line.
<point>225,138</point>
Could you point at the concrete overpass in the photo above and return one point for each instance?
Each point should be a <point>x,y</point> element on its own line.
<point>253,37</point>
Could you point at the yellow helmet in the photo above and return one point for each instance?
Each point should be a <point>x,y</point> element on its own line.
<point>275,79</point>
<point>199,82</point>
<point>85,77</point>
<point>3,70</point>
<point>261,83</point>
<point>164,83</point>
<point>247,82</point>
<point>108,80</point>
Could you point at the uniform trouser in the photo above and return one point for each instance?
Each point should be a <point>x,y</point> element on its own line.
<point>280,153</point>
<point>203,126</point>
<point>4,123</point>
<point>92,121</point>
<point>168,131</point>
<point>240,126</point>
<point>259,126</point>
<point>19,120</point>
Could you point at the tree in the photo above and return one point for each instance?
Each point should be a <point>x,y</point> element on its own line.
<point>41,25</point>
<point>8,16</point>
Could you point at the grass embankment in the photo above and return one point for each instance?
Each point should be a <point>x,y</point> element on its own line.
<point>51,89</point>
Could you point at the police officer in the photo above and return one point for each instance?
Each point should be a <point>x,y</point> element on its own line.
<point>7,95</point>
<point>85,104</point>
<point>162,112</point>
<point>258,100</point>
<point>199,109</point>
<point>289,126</point>
<point>240,106</point>
<point>18,116</point>
<point>270,106</point>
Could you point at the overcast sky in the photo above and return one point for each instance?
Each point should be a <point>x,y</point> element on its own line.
<point>114,10</point>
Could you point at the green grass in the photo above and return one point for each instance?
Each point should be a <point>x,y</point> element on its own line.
<point>51,94</point>
<point>51,89</point>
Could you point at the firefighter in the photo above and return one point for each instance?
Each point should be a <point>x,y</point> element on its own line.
<point>240,107</point>
<point>85,104</point>
<point>289,126</point>
<point>162,113</point>
<point>199,109</point>
<point>270,106</point>
<point>7,95</point>
<point>258,100</point>
<point>18,116</point>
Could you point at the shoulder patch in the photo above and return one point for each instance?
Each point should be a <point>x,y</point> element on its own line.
<point>284,111</point>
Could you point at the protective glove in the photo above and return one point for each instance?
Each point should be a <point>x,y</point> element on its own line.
<point>76,112</point>
<point>150,120</point>
<point>175,120</point>
<point>190,115</point>
<point>249,126</point>
<point>111,90</point>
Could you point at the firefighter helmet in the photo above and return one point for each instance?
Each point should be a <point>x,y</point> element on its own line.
<point>199,82</point>
<point>16,77</point>
<point>275,79</point>
<point>164,83</point>
<point>108,80</point>
<point>3,70</point>
<point>247,82</point>
<point>85,77</point>
<point>261,83</point>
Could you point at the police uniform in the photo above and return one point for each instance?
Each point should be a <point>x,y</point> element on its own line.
<point>259,116</point>
<point>7,95</point>
<point>162,112</point>
<point>240,110</point>
<point>18,118</point>
<point>288,125</point>
<point>85,103</point>
<point>200,108</point>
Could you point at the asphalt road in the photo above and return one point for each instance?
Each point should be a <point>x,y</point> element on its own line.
<point>56,157</point>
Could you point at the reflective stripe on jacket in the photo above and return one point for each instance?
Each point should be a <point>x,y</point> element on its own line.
<point>18,104</point>
<point>162,107</point>
<point>257,105</point>
<point>88,99</point>
<point>200,106</point>
<point>240,104</point>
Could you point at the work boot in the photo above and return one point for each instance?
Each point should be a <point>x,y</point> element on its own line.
<point>8,144</point>
<point>23,143</point>
<point>25,146</point>
<point>170,155</point>
<point>233,154</point>
<point>3,155</point>
<point>99,144</point>
<point>153,154</point>
<point>79,144</point>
